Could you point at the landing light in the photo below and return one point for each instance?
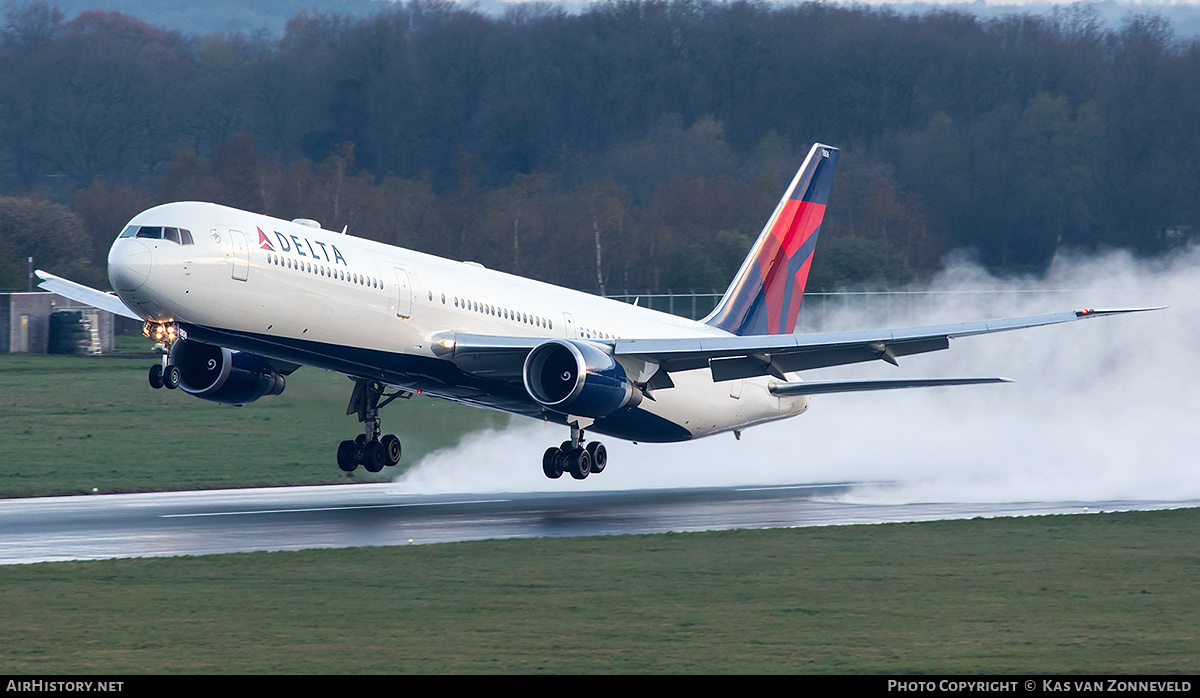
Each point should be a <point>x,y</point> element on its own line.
<point>159,332</point>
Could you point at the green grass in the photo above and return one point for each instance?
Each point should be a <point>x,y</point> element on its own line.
<point>69,424</point>
<point>1112,593</point>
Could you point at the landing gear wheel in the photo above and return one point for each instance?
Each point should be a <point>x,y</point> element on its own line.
<point>171,377</point>
<point>391,447</point>
<point>156,376</point>
<point>599,456</point>
<point>552,463</point>
<point>579,462</point>
<point>347,450</point>
<point>371,449</point>
<point>374,457</point>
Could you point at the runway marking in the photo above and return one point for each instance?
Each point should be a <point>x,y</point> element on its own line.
<point>794,487</point>
<point>344,508</point>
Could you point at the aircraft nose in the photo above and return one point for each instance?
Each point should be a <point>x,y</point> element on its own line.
<point>128,265</point>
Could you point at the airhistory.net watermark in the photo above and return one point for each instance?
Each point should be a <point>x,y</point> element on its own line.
<point>49,686</point>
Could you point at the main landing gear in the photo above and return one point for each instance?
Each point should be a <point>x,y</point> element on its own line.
<point>369,450</point>
<point>573,457</point>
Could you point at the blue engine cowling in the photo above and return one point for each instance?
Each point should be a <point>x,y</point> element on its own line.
<point>578,378</point>
<point>220,375</point>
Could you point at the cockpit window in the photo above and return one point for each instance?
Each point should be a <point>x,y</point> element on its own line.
<point>181,236</point>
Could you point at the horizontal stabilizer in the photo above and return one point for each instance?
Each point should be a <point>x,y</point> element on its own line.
<point>820,387</point>
<point>85,295</point>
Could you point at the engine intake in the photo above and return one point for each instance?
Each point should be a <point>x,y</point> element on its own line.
<point>217,374</point>
<point>578,378</point>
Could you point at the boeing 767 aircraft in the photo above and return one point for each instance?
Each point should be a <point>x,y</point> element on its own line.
<point>240,300</point>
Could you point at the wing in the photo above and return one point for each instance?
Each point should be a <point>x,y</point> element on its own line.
<point>731,357</point>
<point>85,294</point>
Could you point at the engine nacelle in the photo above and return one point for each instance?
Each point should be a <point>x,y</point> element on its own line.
<point>578,378</point>
<point>220,375</point>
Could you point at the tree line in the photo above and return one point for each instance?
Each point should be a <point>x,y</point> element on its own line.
<point>632,145</point>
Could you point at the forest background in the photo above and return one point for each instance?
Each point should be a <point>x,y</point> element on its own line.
<point>632,145</point>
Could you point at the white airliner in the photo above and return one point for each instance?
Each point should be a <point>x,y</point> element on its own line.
<point>241,300</point>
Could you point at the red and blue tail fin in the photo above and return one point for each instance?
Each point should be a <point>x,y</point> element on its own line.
<point>764,297</point>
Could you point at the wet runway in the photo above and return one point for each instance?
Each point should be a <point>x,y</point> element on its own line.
<point>295,518</point>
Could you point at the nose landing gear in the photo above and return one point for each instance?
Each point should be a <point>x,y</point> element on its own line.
<point>162,375</point>
<point>369,449</point>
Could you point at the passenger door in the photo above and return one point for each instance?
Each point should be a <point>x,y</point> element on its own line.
<point>241,255</point>
<point>403,293</point>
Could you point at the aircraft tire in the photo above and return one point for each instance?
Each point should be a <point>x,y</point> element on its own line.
<point>552,463</point>
<point>391,448</point>
<point>347,450</point>
<point>599,456</point>
<point>374,457</point>
<point>580,463</point>
<point>156,376</point>
<point>171,377</point>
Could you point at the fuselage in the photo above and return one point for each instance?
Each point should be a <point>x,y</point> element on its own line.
<point>293,292</point>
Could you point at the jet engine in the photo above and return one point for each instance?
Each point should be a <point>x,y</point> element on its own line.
<point>221,375</point>
<point>578,378</point>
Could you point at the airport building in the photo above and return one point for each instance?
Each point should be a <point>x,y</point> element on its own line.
<point>40,322</point>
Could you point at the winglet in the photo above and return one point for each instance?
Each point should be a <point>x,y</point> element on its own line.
<point>764,297</point>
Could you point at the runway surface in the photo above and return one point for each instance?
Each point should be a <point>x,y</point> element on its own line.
<point>295,518</point>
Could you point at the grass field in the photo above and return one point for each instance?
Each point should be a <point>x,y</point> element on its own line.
<point>1113,593</point>
<point>69,424</point>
